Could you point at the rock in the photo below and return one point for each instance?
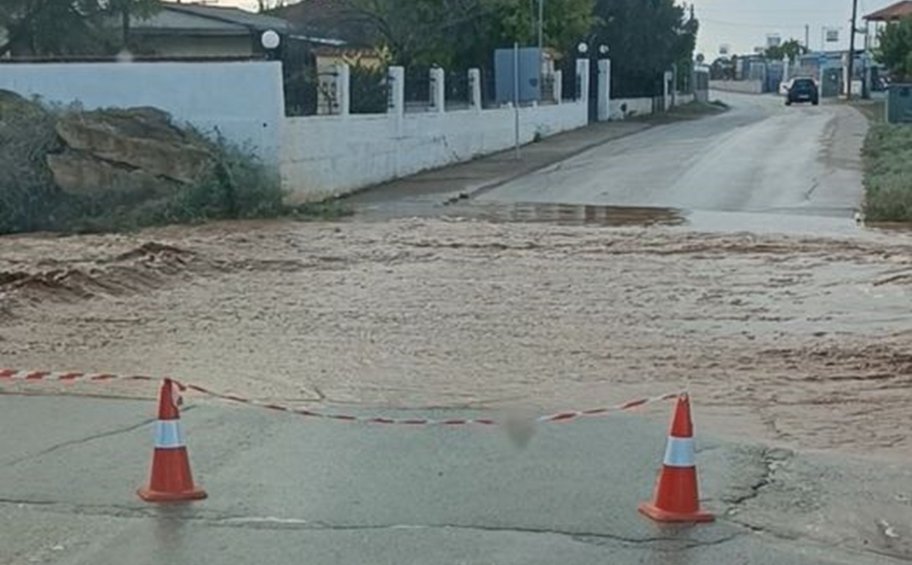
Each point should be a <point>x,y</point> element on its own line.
<point>81,174</point>
<point>14,104</point>
<point>135,150</point>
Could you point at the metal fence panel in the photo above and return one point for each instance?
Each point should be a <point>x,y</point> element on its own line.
<point>457,92</point>
<point>417,89</point>
<point>370,90</point>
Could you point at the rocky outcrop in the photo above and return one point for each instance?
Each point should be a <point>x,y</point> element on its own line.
<point>137,150</point>
<point>13,104</point>
<point>83,174</point>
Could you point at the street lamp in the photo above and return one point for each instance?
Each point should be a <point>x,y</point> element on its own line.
<point>270,40</point>
<point>583,48</point>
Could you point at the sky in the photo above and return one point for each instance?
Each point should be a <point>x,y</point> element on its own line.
<point>745,24</point>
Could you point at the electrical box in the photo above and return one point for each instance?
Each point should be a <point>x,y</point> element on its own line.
<point>899,104</point>
<point>530,67</point>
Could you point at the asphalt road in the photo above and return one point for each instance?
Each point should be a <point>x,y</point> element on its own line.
<point>288,490</point>
<point>760,157</point>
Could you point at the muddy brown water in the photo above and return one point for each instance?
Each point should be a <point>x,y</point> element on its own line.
<point>791,339</point>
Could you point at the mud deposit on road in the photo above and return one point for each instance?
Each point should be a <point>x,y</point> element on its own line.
<point>803,342</point>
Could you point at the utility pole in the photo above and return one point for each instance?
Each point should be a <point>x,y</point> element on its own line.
<point>807,37</point>
<point>541,45</point>
<point>516,99</point>
<point>850,78</point>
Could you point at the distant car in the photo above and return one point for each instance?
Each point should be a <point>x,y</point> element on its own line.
<point>802,90</point>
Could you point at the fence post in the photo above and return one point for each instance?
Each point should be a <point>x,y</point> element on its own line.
<point>558,86</point>
<point>475,89</point>
<point>343,88</point>
<point>582,79</point>
<point>438,91</point>
<point>396,78</point>
<point>604,90</point>
<point>667,90</point>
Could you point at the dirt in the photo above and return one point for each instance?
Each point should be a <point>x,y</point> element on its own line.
<point>801,342</point>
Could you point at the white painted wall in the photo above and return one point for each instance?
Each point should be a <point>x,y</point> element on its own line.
<point>684,99</point>
<point>622,108</point>
<point>744,86</point>
<point>333,155</point>
<point>243,100</point>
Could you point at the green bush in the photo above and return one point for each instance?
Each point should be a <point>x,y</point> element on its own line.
<point>26,187</point>
<point>239,186</point>
<point>888,173</point>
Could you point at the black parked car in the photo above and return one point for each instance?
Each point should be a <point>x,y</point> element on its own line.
<point>803,90</point>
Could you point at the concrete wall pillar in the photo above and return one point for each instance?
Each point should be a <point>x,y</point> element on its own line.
<point>396,79</point>
<point>604,90</point>
<point>667,89</point>
<point>582,79</point>
<point>438,90</point>
<point>475,89</point>
<point>558,86</point>
<point>343,89</point>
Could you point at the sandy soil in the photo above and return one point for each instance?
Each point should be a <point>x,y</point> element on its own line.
<point>795,341</point>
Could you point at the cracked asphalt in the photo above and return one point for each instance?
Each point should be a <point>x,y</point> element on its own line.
<point>284,489</point>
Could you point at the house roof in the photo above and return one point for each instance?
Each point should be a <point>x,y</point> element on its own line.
<point>329,18</point>
<point>209,20</point>
<point>892,12</point>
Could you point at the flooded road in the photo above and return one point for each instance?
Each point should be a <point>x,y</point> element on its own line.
<point>718,256</point>
<point>799,341</point>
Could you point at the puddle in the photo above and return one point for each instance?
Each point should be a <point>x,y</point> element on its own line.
<point>567,214</point>
<point>528,213</point>
<point>804,222</point>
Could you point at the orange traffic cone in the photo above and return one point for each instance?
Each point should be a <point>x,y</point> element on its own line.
<point>171,479</point>
<point>676,496</point>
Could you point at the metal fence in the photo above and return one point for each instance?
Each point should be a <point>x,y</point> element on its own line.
<point>457,94</point>
<point>571,85</point>
<point>300,85</point>
<point>488,88</point>
<point>312,91</point>
<point>547,90</point>
<point>299,77</point>
<point>369,90</point>
<point>417,89</point>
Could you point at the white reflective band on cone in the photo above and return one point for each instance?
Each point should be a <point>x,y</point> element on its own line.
<point>679,452</point>
<point>168,434</point>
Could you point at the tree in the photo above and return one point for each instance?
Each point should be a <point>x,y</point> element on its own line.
<point>125,9</point>
<point>464,33</point>
<point>646,37</point>
<point>896,49</point>
<point>264,6</point>
<point>66,27</point>
<point>791,49</point>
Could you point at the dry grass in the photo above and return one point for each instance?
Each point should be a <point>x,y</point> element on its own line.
<point>888,173</point>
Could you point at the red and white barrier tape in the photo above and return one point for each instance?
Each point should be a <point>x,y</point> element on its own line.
<point>560,417</point>
<point>14,375</point>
